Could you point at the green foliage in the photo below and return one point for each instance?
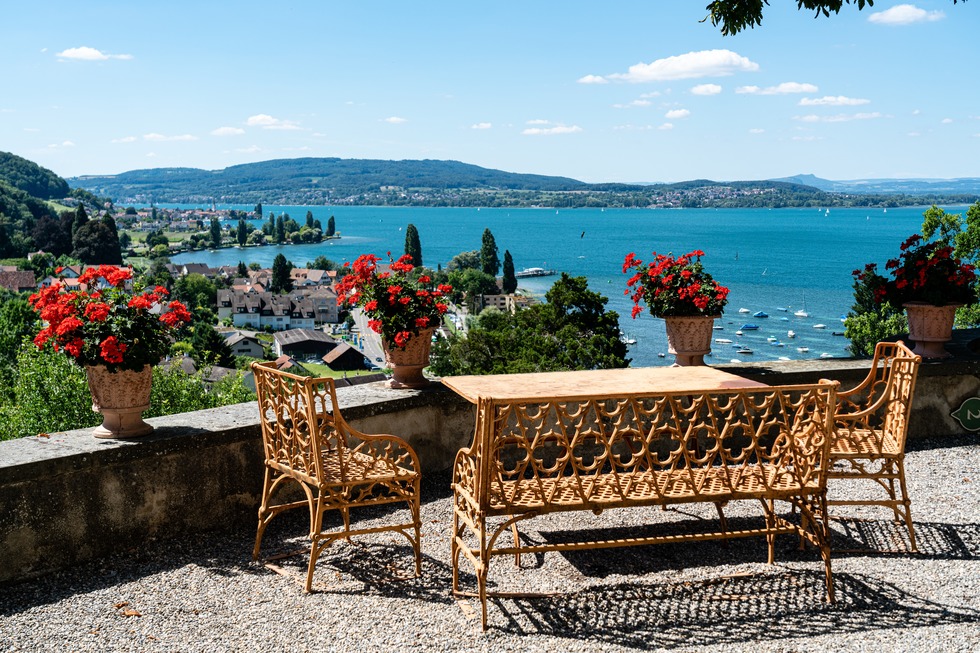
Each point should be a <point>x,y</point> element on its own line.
<point>331,227</point>
<point>18,323</point>
<point>31,178</point>
<point>489,260</point>
<point>215,232</point>
<point>509,281</point>
<point>208,347</point>
<point>241,234</point>
<point>867,329</point>
<point>322,263</point>
<point>196,290</point>
<point>281,282</point>
<point>413,247</point>
<point>572,331</point>
<point>50,394</point>
<point>735,15</point>
<point>472,283</point>
<point>464,261</point>
<point>97,242</point>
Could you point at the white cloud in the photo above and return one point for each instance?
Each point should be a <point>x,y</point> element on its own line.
<point>86,53</point>
<point>481,125</point>
<point>395,120</point>
<point>779,89</point>
<point>914,134</point>
<point>674,114</point>
<point>150,155</point>
<point>947,121</point>
<point>634,103</point>
<point>261,120</point>
<point>916,112</point>
<point>630,127</point>
<point>706,89</point>
<point>265,121</point>
<point>904,15</point>
<point>841,117</point>
<point>757,130</point>
<point>31,130</point>
<point>227,131</point>
<point>124,139</point>
<point>832,101</point>
<point>704,63</point>
<point>808,138</point>
<point>538,121</point>
<point>653,94</point>
<point>552,131</point>
<point>61,144</point>
<point>593,79</point>
<point>666,126</point>
<point>160,137</point>
<point>249,150</point>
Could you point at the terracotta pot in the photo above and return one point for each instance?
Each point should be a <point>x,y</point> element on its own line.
<point>689,338</point>
<point>407,364</point>
<point>930,328</point>
<point>121,397</point>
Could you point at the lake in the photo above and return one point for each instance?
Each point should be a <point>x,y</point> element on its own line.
<point>771,259</point>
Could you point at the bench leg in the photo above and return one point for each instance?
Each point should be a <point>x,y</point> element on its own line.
<point>481,573</point>
<point>907,503</point>
<point>517,543</point>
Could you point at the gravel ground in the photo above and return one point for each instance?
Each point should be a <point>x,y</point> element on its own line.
<point>203,593</point>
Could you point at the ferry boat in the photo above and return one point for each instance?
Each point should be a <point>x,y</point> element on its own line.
<point>534,272</point>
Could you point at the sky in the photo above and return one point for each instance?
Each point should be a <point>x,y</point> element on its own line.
<point>625,91</point>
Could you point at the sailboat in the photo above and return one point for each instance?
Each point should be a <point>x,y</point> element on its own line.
<point>802,312</point>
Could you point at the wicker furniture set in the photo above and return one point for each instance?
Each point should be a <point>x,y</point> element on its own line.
<point>597,440</point>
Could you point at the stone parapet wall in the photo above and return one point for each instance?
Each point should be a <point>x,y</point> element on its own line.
<point>69,498</point>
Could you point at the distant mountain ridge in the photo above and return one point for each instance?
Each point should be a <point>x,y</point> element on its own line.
<point>911,186</point>
<point>429,182</point>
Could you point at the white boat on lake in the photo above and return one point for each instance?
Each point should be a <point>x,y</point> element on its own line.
<point>744,310</point>
<point>819,326</point>
<point>803,350</point>
<point>723,341</point>
<point>791,334</point>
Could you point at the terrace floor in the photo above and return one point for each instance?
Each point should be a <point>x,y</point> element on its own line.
<point>203,593</point>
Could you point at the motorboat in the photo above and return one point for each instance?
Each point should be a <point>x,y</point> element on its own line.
<point>760,314</point>
<point>750,327</point>
<point>803,350</point>
<point>772,338</point>
<point>782,308</point>
<point>739,333</point>
<point>718,327</point>
<point>826,355</point>
<point>783,358</point>
<point>723,341</point>
<point>791,334</point>
<point>744,350</point>
<point>744,310</point>
<point>819,326</point>
<point>837,333</point>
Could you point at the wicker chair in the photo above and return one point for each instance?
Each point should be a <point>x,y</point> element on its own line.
<point>307,441</point>
<point>871,425</point>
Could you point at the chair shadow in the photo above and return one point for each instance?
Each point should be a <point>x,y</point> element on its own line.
<point>731,610</point>
<point>934,540</point>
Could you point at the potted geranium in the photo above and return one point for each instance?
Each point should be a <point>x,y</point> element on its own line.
<point>930,282</point>
<point>404,307</point>
<point>684,294</point>
<point>116,335</point>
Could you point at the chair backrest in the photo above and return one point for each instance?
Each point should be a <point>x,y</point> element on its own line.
<point>625,439</point>
<point>297,415</point>
<point>882,403</point>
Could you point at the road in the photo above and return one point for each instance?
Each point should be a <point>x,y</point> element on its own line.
<point>367,340</point>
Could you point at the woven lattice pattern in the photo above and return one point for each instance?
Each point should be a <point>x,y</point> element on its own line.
<point>307,442</point>
<point>870,429</point>
<point>534,457</point>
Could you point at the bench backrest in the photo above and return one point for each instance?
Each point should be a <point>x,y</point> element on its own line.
<point>881,404</point>
<point>297,418</point>
<point>628,439</point>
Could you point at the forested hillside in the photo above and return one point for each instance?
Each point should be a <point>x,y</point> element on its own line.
<point>31,178</point>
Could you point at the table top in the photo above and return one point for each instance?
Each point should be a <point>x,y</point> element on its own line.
<point>591,383</point>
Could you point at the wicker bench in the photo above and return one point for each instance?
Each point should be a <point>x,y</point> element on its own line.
<point>530,458</point>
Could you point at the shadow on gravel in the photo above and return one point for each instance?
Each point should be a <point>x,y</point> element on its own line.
<point>729,610</point>
<point>934,540</point>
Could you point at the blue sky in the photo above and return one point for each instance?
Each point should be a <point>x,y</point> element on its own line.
<point>623,91</point>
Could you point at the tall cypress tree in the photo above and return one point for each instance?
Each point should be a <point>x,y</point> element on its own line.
<point>242,232</point>
<point>281,282</point>
<point>412,245</point>
<point>489,260</point>
<point>258,210</point>
<point>510,280</point>
<point>331,227</point>
<point>280,230</point>
<point>215,233</point>
<point>309,219</point>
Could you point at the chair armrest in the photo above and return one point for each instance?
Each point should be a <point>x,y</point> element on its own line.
<point>383,446</point>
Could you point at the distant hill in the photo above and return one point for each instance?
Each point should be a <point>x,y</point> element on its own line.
<point>310,180</point>
<point>31,178</point>
<point>959,186</point>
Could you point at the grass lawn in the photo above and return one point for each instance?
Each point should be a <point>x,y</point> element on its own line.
<point>322,370</point>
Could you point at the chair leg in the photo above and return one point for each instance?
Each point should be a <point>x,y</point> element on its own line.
<point>263,514</point>
<point>517,543</point>
<point>907,503</point>
<point>482,571</point>
<point>415,505</point>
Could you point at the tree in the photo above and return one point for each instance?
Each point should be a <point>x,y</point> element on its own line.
<point>571,331</point>
<point>196,290</point>
<point>412,245</point>
<point>489,261</point>
<point>242,233</point>
<point>125,240</point>
<point>281,282</point>
<point>735,15</point>
<point>509,280</point>
<point>52,236</point>
<point>309,219</point>
<point>258,211</point>
<point>322,263</point>
<point>280,230</point>
<point>464,261</point>
<point>96,241</point>
<point>208,347</point>
<point>81,218</point>
<point>215,233</point>
<point>242,269</point>
<point>331,227</point>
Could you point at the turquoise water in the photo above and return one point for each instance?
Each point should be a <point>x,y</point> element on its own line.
<point>770,258</point>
